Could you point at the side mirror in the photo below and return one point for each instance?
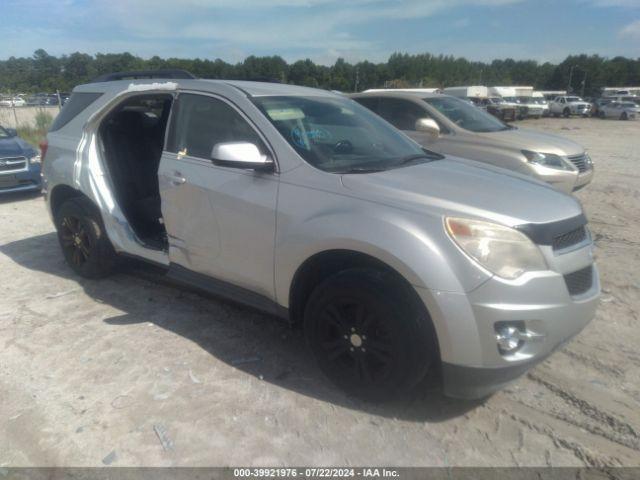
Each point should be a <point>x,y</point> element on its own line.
<point>240,155</point>
<point>428,125</point>
<point>12,132</point>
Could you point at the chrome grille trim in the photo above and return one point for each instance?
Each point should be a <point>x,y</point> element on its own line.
<point>13,164</point>
<point>580,162</point>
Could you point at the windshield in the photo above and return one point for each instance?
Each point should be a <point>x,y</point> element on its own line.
<point>4,133</point>
<point>574,99</point>
<point>466,116</point>
<point>338,135</point>
<point>628,105</point>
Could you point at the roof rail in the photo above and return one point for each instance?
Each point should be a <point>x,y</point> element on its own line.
<point>142,74</point>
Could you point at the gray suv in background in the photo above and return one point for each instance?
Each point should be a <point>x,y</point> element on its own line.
<point>306,205</point>
<point>451,126</point>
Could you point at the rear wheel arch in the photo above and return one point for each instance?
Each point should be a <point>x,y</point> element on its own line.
<point>60,194</point>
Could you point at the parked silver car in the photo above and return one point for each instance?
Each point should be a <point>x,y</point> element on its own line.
<point>447,125</point>
<point>619,110</point>
<point>304,204</point>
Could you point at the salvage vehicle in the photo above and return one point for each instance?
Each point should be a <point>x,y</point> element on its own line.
<point>497,107</point>
<point>448,125</point>
<point>569,105</point>
<point>19,163</point>
<point>306,205</point>
<point>619,110</point>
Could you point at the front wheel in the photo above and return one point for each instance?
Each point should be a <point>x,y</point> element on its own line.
<point>566,113</point>
<point>83,239</point>
<point>368,335</point>
<point>624,116</point>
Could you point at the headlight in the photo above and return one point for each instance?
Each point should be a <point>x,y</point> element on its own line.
<point>550,160</point>
<point>587,160</point>
<point>502,250</point>
<point>35,159</point>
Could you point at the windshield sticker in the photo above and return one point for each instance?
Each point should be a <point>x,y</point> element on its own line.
<point>303,139</point>
<point>283,114</point>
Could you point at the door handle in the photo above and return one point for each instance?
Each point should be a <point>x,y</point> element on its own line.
<point>177,178</point>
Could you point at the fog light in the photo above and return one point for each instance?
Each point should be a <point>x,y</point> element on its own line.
<point>509,338</point>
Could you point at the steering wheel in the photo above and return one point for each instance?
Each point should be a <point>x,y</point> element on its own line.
<point>343,147</point>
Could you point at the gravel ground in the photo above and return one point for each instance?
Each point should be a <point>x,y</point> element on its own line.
<point>132,371</point>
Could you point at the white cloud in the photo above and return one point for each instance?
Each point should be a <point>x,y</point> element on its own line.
<point>631,30</point>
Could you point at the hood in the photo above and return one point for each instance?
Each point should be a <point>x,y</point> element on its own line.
<point>14,147</point>
<point>466,188</point>
<point>522,139</point>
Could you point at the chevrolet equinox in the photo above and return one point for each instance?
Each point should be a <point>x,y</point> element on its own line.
<point>306,205</point>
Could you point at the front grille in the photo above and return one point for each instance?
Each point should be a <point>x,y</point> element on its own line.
<point>580,162</point>
<point>12,164</point>
<point>569,239</point>
<point>579,282</point>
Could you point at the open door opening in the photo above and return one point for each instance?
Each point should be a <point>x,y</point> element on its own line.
<point>132,141</point>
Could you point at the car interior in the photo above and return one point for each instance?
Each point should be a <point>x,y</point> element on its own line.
<point>132,142</point>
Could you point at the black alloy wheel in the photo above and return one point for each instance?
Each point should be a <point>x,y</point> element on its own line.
<point>83,239</point>
<point>367,336</point>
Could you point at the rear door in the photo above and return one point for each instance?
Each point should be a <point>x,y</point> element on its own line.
<point>220,220</point>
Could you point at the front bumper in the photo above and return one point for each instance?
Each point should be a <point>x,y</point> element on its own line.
<point>23,181</point>
<point>472,365</point>
<point>564,180</point>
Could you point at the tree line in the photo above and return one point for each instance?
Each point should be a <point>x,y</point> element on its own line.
<point>580,73</point>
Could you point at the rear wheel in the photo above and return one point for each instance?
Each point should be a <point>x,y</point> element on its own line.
<point>83,239</point>
<point>368,335</point>
<point>624,116</point>
<point>566,112</point>
<point>601,115</point>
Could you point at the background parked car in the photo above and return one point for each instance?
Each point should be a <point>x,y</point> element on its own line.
<point>569,105</point>
<point>497,107</point>
<point>449,125</point>
<point>12,102</point>
<point>19,163</point>
<point>597,104</point>
<point>620,110</point>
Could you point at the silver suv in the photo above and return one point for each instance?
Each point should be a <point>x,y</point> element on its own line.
<point>308,206</point>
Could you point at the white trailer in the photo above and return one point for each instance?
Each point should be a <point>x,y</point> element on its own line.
<point>620,91</point>
<point>467,92</point>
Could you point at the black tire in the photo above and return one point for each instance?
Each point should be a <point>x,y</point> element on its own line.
<point>368,335</point>
<point>83,239</point>
<point>566,113</point>
<point>601,115</point>
<point>624,116</point>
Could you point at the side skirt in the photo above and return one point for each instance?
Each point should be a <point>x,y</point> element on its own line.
<point>226,291</point>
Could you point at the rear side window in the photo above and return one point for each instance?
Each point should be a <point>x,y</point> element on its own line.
<point>370,103</point>
<point>76,104</point>
<point>400,113</point>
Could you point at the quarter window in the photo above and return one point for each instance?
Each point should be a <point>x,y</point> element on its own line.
<point>200,122</point>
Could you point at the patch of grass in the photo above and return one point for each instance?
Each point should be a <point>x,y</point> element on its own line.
<point>34,134</point>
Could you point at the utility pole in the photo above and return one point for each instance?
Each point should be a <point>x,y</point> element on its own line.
<point>569,89</point>
<point>357,80</point>
<point>584,83</point>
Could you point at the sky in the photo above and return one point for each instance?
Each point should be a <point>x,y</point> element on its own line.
<point>322,30</point>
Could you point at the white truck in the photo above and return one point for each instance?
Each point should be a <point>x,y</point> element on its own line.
<point>568,105</point>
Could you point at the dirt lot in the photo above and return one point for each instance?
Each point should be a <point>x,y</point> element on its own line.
<point>132,371</point>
